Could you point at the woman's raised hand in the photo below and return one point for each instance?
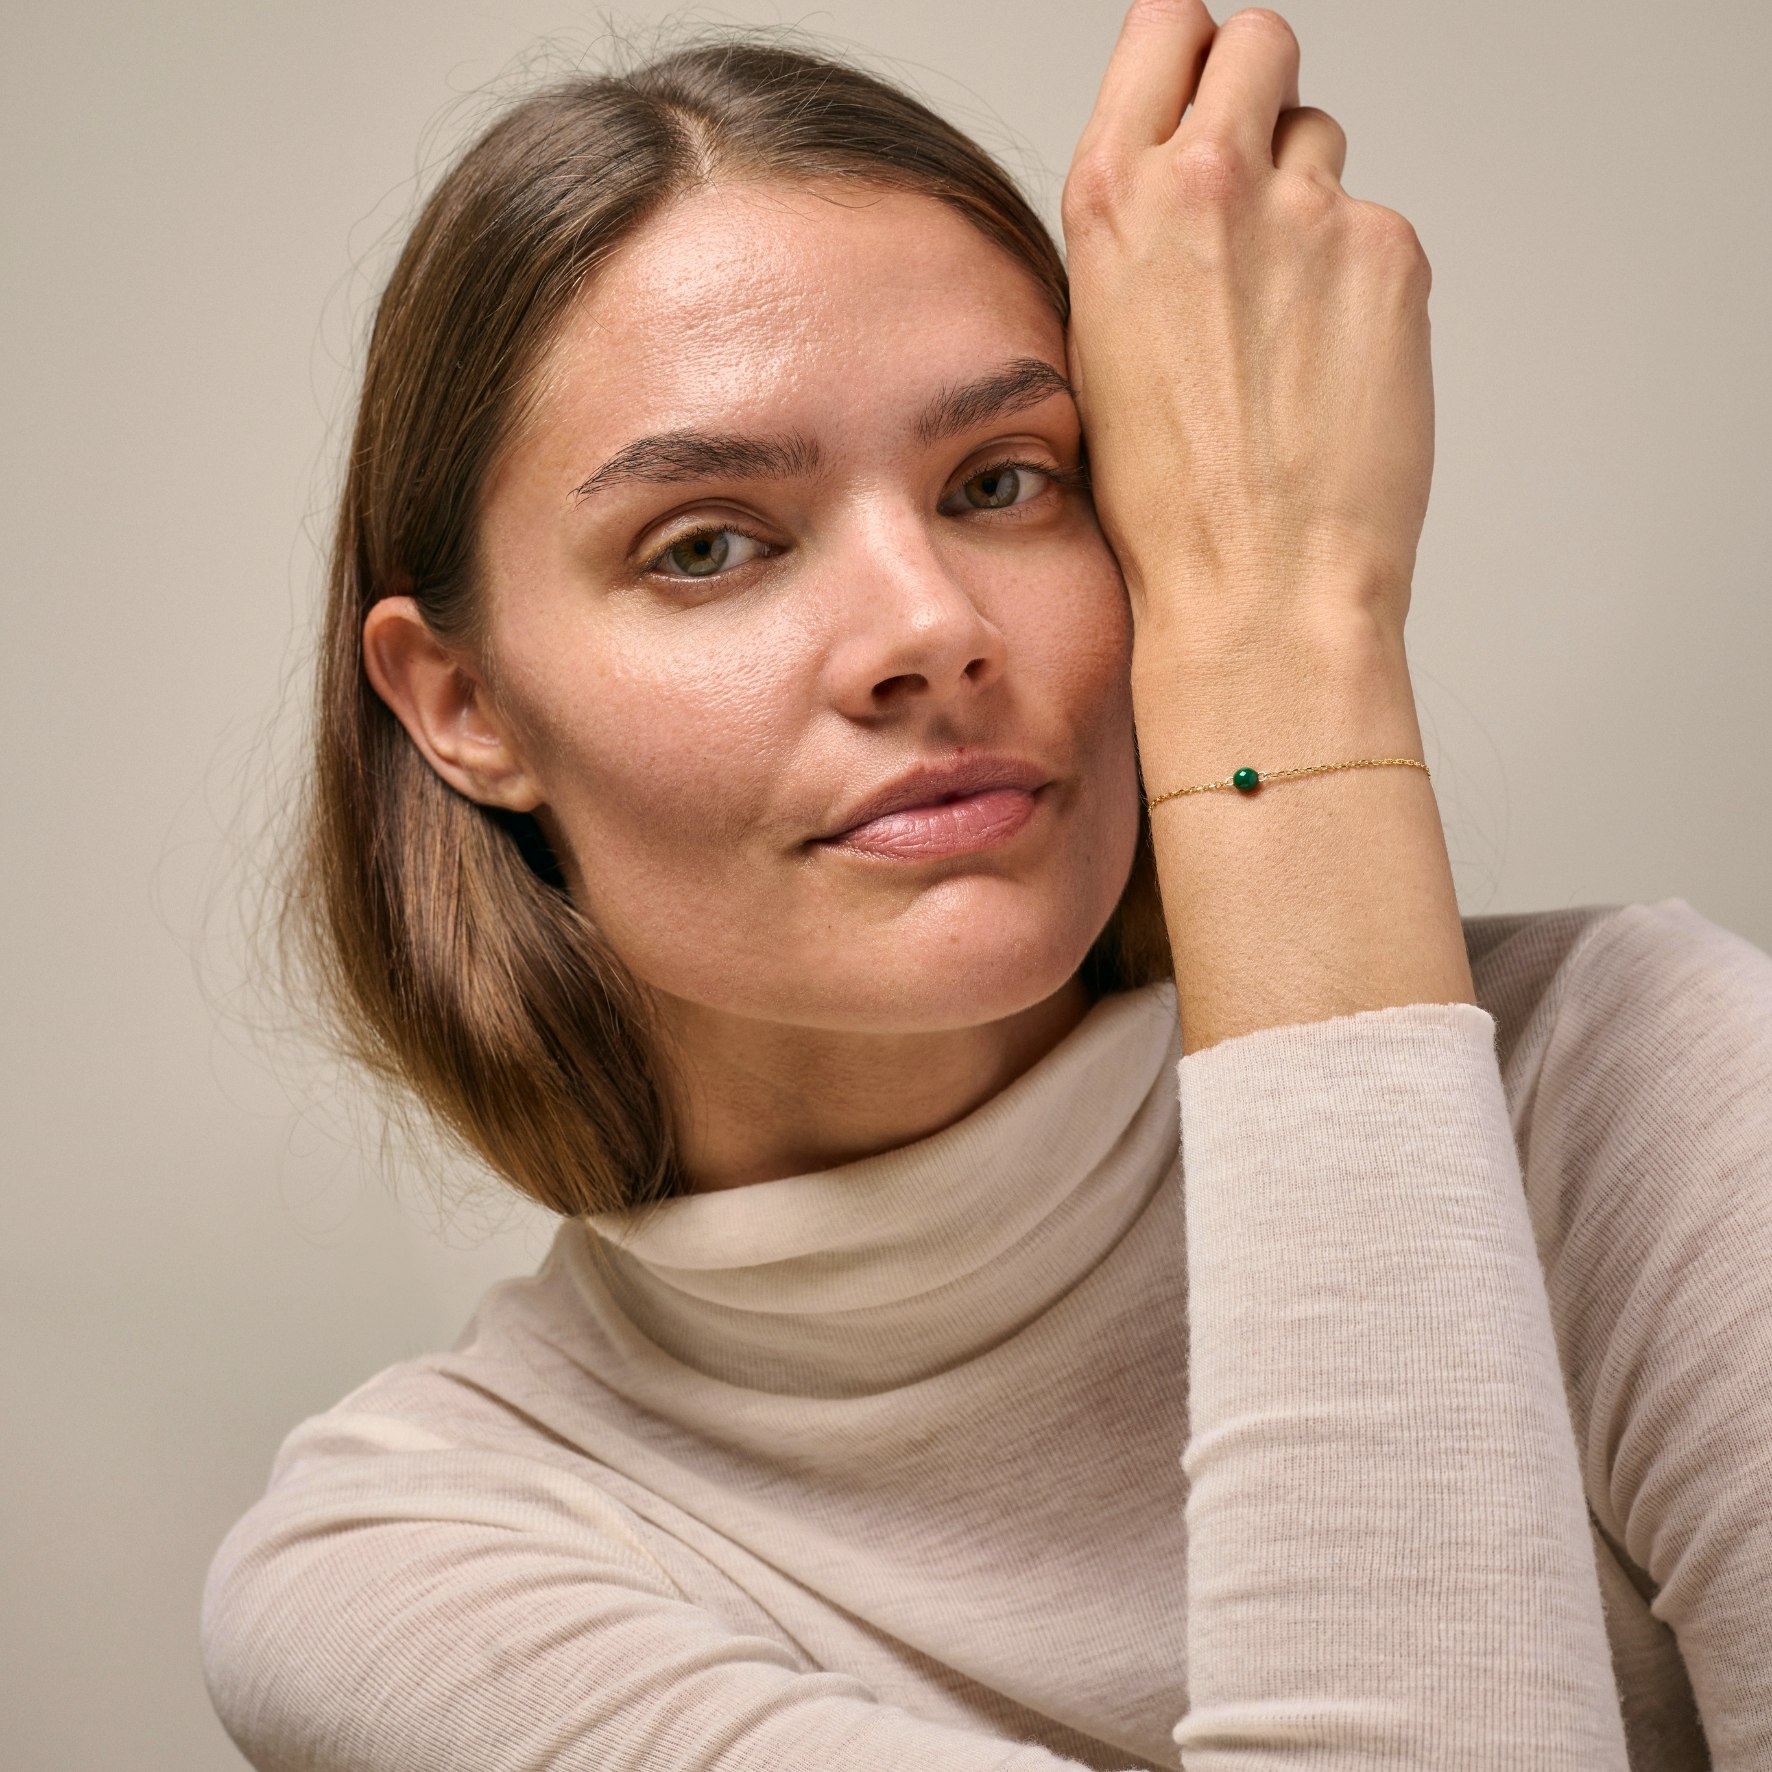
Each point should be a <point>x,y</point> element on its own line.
<point>1249,346</point>
<point>1249,343</point>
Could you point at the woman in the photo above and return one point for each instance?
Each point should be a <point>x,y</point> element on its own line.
<point>1003,1316</point>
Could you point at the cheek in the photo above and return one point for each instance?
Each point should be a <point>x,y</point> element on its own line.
<point>1072,625</point>
<point>1084,639</point>
<point>659,756</point>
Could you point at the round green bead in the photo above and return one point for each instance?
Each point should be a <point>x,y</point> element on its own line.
<point>1245,781</point>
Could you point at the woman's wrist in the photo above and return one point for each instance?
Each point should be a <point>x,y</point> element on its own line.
<point>1313,897</point>
<point>1210,696</point>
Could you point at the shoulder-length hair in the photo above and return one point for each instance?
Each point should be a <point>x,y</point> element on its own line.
<point>439,932</point>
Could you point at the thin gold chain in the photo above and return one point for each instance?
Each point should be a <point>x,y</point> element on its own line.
<point>1281,774</point>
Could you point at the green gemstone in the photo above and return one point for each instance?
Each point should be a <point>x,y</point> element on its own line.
<point>1245,781</point>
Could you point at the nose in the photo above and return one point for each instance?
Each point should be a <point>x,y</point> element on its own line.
<point>909,631</point>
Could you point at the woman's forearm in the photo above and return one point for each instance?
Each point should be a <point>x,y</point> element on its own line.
<point>1312,897</point>
<point>1389,1560</point>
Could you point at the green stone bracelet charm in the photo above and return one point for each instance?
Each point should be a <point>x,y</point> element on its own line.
<point>1247,780</point>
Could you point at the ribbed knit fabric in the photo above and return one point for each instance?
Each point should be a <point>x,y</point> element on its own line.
<point>1388,1391</point>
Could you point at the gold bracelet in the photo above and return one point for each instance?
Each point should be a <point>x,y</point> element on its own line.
<point>1246,781</point>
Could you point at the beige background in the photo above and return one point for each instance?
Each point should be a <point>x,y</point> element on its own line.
<point>200,1245</point>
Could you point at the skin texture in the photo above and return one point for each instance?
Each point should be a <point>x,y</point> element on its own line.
<point>683,738</point>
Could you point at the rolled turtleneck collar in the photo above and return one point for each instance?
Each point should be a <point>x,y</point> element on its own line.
<point>879,1272</point>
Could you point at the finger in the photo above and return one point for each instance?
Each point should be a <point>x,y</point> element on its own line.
<point>1308,139</point>
<point>1150,76</point>
<point>1251,76</point>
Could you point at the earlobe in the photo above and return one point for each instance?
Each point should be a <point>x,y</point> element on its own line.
<point>438,695</point>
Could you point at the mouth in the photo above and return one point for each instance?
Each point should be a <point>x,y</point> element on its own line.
<point>946,825</point>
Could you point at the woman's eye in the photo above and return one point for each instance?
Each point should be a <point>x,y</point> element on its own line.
<point>1008,483</point>
<point>707,553</point>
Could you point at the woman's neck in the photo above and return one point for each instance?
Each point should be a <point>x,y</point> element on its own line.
<point>763,1100</point>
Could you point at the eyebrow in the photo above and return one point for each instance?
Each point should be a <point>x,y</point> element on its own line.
<point>675,457</point>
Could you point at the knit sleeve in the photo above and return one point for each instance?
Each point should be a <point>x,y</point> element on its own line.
<point>1389,1560</point>
<point>1652,1133</point>
<point>393,1602</point>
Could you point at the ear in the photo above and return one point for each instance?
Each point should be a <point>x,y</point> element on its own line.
<point>438,695</point>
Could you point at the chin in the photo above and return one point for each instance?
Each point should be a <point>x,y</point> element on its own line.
<point>943,974</point>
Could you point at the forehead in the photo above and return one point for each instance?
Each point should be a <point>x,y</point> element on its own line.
<point>817,306</point>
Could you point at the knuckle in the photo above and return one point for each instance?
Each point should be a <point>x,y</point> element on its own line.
<point>1093,189</point>
<point>1263,18</point>
<point>1208,170</point>
<point>1140,10</point>
<point>1304,197</point>
<point>1388,232</point>
<point>1319,120</point>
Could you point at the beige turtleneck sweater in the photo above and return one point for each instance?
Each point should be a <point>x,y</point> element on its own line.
<point>1393,1391</point>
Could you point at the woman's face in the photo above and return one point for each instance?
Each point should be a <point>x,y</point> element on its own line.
<point>755,556</point>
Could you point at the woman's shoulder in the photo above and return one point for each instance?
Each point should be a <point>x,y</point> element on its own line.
<point>488,1392</point>
<point>1618,990</point>
<point>464,1439</point>
<point>1637,1047</point>
<point>1635,1043</point>
<point>505,1409</point>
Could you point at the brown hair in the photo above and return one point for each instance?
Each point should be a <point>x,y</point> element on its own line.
<point>439,931</point>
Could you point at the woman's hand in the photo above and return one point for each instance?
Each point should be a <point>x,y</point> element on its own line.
<point>1250,349</point>
<point>1249,343</point>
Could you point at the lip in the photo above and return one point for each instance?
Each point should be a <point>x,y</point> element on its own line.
<point>927,788</point>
